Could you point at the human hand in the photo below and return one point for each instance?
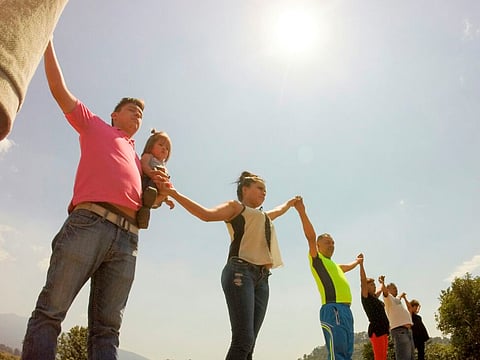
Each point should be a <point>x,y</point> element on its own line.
<point>160,177</point>
<point>165,189</point>
<point>293,201</point>
<point>381,279</point>
<point>299,205</point>
<point>170,203</point>
<point>360,259</point>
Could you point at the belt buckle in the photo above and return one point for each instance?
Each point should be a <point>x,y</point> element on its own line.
<point>122,222</point>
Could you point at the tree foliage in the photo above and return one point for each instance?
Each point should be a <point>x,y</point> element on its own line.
<point>8,353</point>
<point>73,345</point>
<point>459,316</point>
<point>8,356</point>
<point>360,341</point>
<point>440,351</point>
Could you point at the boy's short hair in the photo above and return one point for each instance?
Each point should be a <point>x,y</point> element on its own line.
<point>128,100</point>
<point>414,303</point>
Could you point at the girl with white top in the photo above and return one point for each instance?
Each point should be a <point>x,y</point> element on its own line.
<point>253,252</point>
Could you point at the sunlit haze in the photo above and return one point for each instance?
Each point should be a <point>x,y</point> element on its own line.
<point>296,31</point>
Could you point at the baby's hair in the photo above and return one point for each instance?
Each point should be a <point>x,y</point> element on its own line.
<point>246,179</point>
<point>154,138</point>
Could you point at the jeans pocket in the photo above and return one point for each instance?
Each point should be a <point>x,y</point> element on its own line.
<point>83,218</point>
<point>80,224</point>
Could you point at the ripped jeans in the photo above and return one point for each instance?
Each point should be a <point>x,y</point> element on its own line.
<point>337,325</point>
<point>246,291</point>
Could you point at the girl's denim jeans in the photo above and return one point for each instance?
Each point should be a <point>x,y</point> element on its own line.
<point>246,291</point>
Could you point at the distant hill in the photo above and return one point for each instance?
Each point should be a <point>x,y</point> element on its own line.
<point>361,338</point>
<point>12,331</point>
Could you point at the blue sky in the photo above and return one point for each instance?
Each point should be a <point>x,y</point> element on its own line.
<point>374,122</point>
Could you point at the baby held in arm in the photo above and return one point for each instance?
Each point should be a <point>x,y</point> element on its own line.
<point>154,158</point>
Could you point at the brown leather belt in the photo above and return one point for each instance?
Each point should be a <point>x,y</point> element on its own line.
<point>109,215</point>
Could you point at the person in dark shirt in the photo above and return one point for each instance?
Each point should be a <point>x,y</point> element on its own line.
<point>420,333</point>
<point>378,328</point>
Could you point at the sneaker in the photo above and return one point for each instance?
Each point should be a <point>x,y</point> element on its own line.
<point>149,196</point>
<point>143,217</point>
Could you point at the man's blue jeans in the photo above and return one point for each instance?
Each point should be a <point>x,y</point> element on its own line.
<point>86,247</point>
<point>403,342</point>
<point>337,325</point>
<point>246,291</point>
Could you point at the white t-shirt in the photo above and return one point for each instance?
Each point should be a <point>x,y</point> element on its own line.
<point>396,312</point>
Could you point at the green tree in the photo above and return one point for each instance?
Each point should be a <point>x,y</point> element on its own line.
<point>73,345</point>
<point>438,351</point>
<point>459,316</point>
<point>7,356</point>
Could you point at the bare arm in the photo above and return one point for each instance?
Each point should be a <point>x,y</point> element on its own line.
<point>407,303</point>
<point>363,281</point>
<point>347,267</point>
<point>145,161</point>
<point>381,280</point>
<point>282,209</point>
<point>64,98</point>
<point>308,228</point>
<point>223,212</point>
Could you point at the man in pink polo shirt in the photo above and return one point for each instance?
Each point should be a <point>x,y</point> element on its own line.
<point>98,241</point>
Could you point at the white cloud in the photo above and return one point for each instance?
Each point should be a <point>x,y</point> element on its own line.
<point>470,31</point>
<point>4,254</point>
<point>5,145</point>
<point>468,266</point>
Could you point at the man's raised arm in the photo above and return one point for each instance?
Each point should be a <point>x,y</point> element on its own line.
<point>64,98</point>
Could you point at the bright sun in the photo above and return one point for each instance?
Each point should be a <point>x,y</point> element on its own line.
<point>295,32</point>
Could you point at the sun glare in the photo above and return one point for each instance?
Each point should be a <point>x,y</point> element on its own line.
<point>295,32</point>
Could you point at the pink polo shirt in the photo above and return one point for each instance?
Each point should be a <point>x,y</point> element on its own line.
<point>109,169</point>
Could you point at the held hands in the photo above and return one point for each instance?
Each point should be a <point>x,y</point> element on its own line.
<point>159,174</point>
<point>360,259</point>
<point>298,203</point>
<point>162,181</point>
<point>293,201</point>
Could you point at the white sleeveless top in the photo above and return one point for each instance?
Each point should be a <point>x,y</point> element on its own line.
<point>249,239</point>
